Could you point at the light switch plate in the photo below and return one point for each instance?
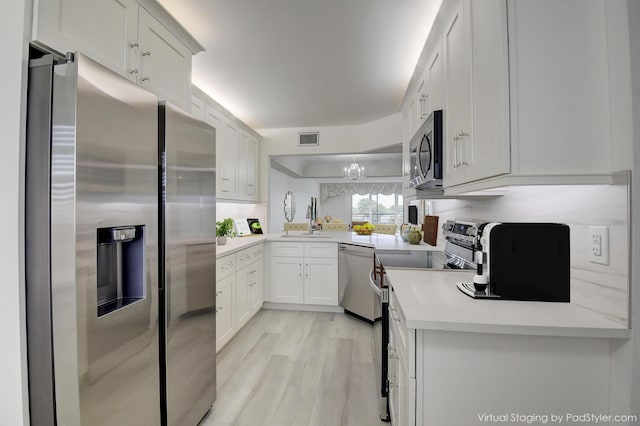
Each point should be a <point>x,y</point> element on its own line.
<point>599,244</point>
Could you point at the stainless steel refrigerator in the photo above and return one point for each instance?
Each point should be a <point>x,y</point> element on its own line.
<point>98,290</point>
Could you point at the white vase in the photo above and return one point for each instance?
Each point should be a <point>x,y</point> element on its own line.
<point>222,240</point>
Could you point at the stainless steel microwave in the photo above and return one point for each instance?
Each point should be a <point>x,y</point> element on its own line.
<point>425,153</point>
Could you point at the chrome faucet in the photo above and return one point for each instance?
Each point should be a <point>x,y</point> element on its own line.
<point>310,217</point>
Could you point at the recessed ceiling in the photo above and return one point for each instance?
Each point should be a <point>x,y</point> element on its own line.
<point>377,165</point>
<point>297,63</point>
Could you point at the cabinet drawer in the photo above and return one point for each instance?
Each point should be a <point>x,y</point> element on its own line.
<point>244,258</point>
<point>287,249</point>
<point>225,266</point>
<point>256,252</point>
<point>321,250</point>
<point>404,341</point>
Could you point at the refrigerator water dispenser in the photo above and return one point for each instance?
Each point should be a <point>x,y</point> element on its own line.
<point>121,267</point>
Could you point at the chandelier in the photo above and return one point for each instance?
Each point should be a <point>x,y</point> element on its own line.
<point>354,171</point>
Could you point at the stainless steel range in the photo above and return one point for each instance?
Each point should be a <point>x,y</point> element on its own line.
<point>458,254</point>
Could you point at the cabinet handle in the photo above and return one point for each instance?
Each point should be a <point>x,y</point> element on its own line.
<point>395,318</point>
<point>392,384</point>
<point>145,53</point>
<point>219,308</point>
<point>299,269</point>
<point>246,257</point>
<point>218,293</point>
<point>134,44</point>
<point>133,71</point>
<point>145,79</point>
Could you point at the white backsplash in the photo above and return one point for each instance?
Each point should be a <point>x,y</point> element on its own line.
<point>243,211</point>
<point>601,288</point>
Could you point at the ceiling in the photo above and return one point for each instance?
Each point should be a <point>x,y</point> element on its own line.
<point>383,163</point>
<point>299,63</point>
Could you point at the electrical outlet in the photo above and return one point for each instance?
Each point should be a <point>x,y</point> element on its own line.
<point>599,240</point>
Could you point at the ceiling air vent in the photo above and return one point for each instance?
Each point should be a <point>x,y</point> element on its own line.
<point>309,139</point>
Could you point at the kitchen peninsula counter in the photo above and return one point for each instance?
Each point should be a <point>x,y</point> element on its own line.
<point>430,300</point>
<point>375,240</point>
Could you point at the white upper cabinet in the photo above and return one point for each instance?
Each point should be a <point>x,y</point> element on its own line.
<point>237,150</point>
<point>105,30</point>
<point>566,84</point>
<point>165,63</point>
<point>476,139</point>
<point>137,39</point>
<point>533,92</point>
<point>247,166</point>
<point>227,162</point>
<point>197,108</point>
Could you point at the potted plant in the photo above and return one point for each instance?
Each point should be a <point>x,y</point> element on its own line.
<point>224,229</point>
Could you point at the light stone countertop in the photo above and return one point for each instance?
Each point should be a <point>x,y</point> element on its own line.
<point>378,241</point>
<point>430,300</point>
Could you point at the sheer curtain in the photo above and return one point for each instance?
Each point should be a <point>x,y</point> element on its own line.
<point>332,189</point>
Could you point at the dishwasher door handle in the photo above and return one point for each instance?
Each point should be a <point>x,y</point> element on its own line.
<point>377,290</point>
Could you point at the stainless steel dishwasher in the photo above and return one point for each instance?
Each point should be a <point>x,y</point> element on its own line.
<point>355,293</point>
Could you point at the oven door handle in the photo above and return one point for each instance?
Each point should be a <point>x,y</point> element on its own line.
<point>377,290</point>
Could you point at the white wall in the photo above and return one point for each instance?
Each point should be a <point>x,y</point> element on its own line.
<point>338,207</point>
<point>14,26</point>
<point>303,190</point>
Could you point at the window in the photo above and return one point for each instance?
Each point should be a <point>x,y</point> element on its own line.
<point>377,208</point>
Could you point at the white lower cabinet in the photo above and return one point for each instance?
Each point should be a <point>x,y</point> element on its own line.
<point>402,368</point>
<point>239,291</point>
<point>225,321</point>
<point>256,288</point>
<point>286,280</point>
<point>243,278</point>
<point>310,279</point>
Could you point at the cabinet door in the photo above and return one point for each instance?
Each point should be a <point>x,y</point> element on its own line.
<point>435,78</point>
<point>321,281</point>
<point>244,277</point>
<point>104,30</point>
<point>225,320</point>
<point>422,99</point>
<point>226,161</point>
<point>252,169</point>
<point>406,413</point>
<point>256,288</point>
<point>197,108</point>
<point>165,63</point>
<point>286,280</point>
<point>457,46</point>
<point>243,165</point>
<point>489,154</point>
<point>392,377</point>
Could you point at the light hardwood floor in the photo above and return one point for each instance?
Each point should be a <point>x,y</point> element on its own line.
<point>289,368</point>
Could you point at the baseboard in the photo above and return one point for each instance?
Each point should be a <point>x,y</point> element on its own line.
<point>300,307</point>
